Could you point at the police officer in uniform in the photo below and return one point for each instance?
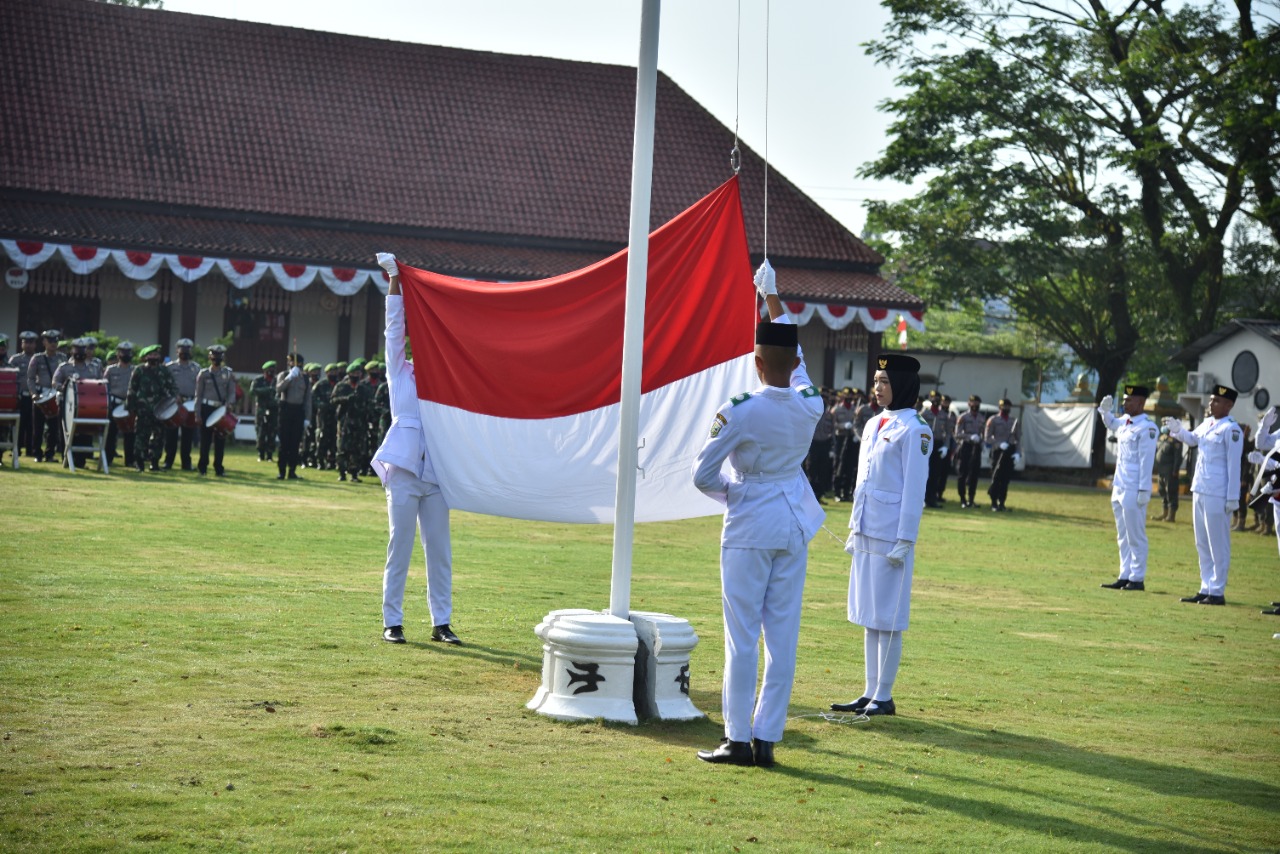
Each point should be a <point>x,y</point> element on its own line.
<point>968,442</point>
<point>884,527</point>
<point>842,416</point>
<point>21,360</point>
<point>150,385</point>
<point>821,453</point>
<point>40,371</point>
<point>215,388</point>
<point>264,418</point>
<point>312,370</point>
<point>770,516</point>
<point>117,376</point>
<point>293,397</point>
<point>1002,435</point>
<point>936,416</point>
<point>75,369</point>
<point>1215,490</point>
<point>1136,437</point>
<point>184,372</point>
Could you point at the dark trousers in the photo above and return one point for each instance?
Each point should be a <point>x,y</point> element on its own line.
<point>209,437</point>
<point>937,478</point>
<point>846,466</point>
<point>1001,472</point>
<point>820,466</point>
<point>968,467</point>
<point>290,436</point>
<point>171,437</point>
<point>26,427</point>
<point>48,432</point>
<point>126,439</point>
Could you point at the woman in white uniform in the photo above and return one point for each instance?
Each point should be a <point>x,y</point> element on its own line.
<point>888,501</point>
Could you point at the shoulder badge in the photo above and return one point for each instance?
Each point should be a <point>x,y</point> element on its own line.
<point>740,398</point>
<point>809,391</point>
<point>1235,435</point>
<point>717,424</point>
<point>924,443</point>
<point>1151,432</point>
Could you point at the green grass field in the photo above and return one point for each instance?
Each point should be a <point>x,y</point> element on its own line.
<point>194,664</point>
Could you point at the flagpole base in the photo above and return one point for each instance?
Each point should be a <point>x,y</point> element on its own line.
<point>595,665</point>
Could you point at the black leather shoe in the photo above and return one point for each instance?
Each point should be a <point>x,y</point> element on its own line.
<point>1199,597</point>
<point>1118,584</point>
<point>729,753</point>
<point>1213,600</point>
<point>393,634</point>
<point>1135,585</point>
<point>293,476</point>
<point>444,634</point>
<point>880,707</point>
<point>280,476</point>
<point>1272,611</point>
<point>763,752</point>
<point>856,706</point>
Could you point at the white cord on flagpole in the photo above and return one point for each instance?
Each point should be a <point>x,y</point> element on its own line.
<point>766,129</point>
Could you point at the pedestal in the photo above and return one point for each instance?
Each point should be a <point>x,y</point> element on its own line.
<point>662,667</point>
<point>588,667</point>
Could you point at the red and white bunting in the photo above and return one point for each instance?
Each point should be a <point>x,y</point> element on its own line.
<point>139,266</point>
<point>242,274</point>
<point>293,277</point>
<point>83,260</point>
<point>189,267</point>
<point>343,281</point>
<point>28,254</point>
<point>837,317</point>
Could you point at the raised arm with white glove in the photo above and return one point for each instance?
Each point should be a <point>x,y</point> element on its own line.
<point>1104,410</point>
<point>1177,431</point>
<point>387,261</point>
<point>766,280</point>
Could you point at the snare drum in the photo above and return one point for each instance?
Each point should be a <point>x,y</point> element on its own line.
<point>187,415</point>
<point>222,421</point>
<point>166,412</point>
<point>8,389</point>
<point>125,420</point>
<point>47,403</point>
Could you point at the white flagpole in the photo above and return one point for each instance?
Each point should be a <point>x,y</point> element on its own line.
<point>624,514</point>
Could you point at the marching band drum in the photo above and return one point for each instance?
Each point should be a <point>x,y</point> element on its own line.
<point>8,389</point>
<point>222,421</point>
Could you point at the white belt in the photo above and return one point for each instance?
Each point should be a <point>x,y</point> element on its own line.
<point>763,476</point>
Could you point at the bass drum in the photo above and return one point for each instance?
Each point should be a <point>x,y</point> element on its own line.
<point>87,400</point>
<point>8,389</point>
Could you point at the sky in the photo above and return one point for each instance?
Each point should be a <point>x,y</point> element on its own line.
<point>820,102</point>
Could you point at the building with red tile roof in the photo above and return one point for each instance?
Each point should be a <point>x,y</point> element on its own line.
<point>176,140</point>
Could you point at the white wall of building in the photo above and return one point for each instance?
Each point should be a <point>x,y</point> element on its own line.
<point>1219,360</point>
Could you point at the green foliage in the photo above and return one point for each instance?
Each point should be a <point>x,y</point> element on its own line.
<point>195,665</point>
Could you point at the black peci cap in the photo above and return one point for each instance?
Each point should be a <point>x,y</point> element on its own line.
<point>770,334</point>
<point>898,363</point>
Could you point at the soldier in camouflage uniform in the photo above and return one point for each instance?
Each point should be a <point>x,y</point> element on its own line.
<point>264,419</point>
<point>150,384</point>
<point>309,455</point>
<point>326,418</point>
<point>380,422</point>
<point>353,402</point>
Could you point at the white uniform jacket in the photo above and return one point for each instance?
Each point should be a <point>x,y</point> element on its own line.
<point>765,436</point>
<point>405,444</point>
<point>1221,444</point>
<point>1136,439</point>
<point>893,469</point>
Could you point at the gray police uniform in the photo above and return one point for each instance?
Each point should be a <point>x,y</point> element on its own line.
<point>184,377</point>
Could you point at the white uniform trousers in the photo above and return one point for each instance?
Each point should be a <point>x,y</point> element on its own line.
<point>1212,524</point>
<point>762,592</point>
<point>413,502</point>
<point>1131,536</point>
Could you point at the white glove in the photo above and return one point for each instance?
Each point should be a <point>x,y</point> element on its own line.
<point>942,450</point>
<point>1144,498</point>
<point>1255,457</point>
<point>294,372</point>
<point>1271,464</point>
<point>1017,457</point>
<point>1174,425</point>
<point>306,422</point>
<point>846,425</point>
<point>1268,419</point>
<point>766,280</point>
<point>974,437</point>
<point>1106,404</point>
<point>387,261</point>
<point>1004,446</point>
<point>1233,506</point>
<point>898,554</point>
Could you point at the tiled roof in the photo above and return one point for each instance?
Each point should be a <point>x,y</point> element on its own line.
<point>1268,329</point>
<point>278,142</point>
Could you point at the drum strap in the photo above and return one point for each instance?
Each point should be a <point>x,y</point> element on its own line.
<point>218,387</point>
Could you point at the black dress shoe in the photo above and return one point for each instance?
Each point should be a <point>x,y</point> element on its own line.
<point>1213,600</point>
<point>393,634</point>
<point>1199,597</point>
<point>280,476</point>
<point>444,634</point>
<point>1118,584</point>
<point>763,752</point>
<point>856,706</point>
<point>1272,611</point>
<point>880,707</point>
<point>729,753</point>
<point>1135,585</point>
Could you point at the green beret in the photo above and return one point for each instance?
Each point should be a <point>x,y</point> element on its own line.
<point>342,366</point>
<point>356,365</point>
<point>311,366</point>
<point>270,365</point>
<point>331,367</point>
<point>147,351</point>
<point>371,364</point>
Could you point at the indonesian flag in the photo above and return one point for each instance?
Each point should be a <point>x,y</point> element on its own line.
<point>902,332</point>
<point>519,383</point>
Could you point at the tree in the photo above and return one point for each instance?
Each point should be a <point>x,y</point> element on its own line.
<point>1082,163</point>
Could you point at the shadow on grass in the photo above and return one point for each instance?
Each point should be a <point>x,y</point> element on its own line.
<point>1160,779</point>
<point>984,811</point>
<point>480,653</point>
